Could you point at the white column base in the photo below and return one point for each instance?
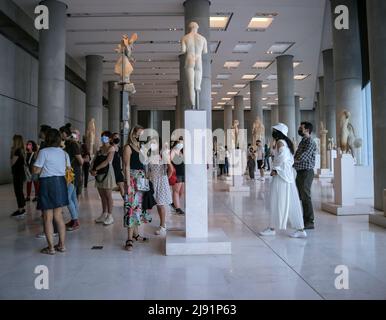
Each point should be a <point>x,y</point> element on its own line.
<point>339,210</point>
<point>216,243</point>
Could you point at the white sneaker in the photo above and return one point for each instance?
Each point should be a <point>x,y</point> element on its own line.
<point>161,231</point>
<point>109,220</point>
<point>268,232</point>
<point>299,234</point>
<point>101,218</point>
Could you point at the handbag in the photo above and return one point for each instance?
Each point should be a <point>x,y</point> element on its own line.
<point>69,175</point>
<point>143,184</point>
<point>173,177</point>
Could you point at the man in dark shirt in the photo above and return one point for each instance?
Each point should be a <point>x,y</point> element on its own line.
<point>304,165</point>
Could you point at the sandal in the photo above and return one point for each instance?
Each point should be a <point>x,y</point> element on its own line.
<point>129,245</point>
<point>140,238</point>
<point>49,251</point>
<point>60,249</point>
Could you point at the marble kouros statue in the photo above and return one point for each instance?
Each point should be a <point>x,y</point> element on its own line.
<point>348,140</point>
<point>193,45</point>
<point>235,134</point>
<point>258,131</point>
<point>124,67</point>
<point>90,137</point>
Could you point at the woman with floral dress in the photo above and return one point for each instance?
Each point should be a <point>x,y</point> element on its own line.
<point>134,171</point>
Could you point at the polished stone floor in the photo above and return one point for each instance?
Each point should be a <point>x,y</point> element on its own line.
<point>259,268</point>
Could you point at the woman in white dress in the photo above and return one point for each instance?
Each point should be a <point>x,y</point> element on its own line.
<point>284,197</point>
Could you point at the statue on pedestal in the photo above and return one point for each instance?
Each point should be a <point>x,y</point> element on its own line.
<point>323,146</point>
<point>235,134</point>
<point>258,131</point>
<point>348,140</point>
<point>193,45</point>
<point>124,67</point>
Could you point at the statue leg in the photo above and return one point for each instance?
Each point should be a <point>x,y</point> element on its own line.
<point>190,85</point>
<point>198,76</point>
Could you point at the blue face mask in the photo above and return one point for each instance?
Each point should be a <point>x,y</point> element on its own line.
<point>105,139</point>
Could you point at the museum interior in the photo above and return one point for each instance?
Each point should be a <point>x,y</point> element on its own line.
<point>192,149</point>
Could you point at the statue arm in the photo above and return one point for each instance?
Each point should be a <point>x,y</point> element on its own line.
<point>205,49</point>
<point>183,46</point>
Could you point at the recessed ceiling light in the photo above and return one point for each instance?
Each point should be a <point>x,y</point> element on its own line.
<point>249,76</point>
<point>243,47</point>
<point>226,99</point>
<point>247,107</point>
<point>271,103</point>
<point>296,63</point>
<point>301,76</point>
<point>246,99</point>
<point>239,86</point>
<point>259,23</point>
<point>262,64</point>
<point>301,98</point>
<point>214,92</point>
<point>231,64</point>
<point>265,85</point>
<point>216,85</point>
<point>223,76</point>
<point>272,77</point>
<point>217,107</point>
<point>264,99</point>
<point>271,93</point>
<point>280,47</point>
<point>221,103</point>
<point>220,21</point>
<point>232,93</point>
<point>276,99</point>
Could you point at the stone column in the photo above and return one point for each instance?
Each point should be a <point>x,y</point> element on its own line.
<point>317,120</point>
<point>52,63</point>
<point>348,67</point>
<point>94,92</point>
<point>182,90</point>
<point>228,119</point>
<point>323,148</point>
<point>298,117</point>
<point>274,114</point>
<point>114,108</point>
<point>198,11</point>
<point>256,94</point>
<point>133,115</point>
<point>286,90</point>
<point>322,113</point>
<point>177,114</point>
<point>239,110</point>
<point>329,93</point>
<point>377,49</point>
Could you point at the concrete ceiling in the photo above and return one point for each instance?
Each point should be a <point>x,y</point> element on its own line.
<point>298,21</point>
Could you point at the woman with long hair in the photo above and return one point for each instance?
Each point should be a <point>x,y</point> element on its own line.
<point>177,158</point>
<point>284,197</point>
<point>18,174</point>
<point>117,163</point>
<point>160,170</point>
<point>134,171</point>
<point>103,172</point>
<point>31,155</point>
<point>51,165</point>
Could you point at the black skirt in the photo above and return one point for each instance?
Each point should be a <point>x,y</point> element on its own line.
<point>53,193</point>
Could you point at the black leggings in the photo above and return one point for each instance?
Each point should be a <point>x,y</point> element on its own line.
<point>18,183</point>
<point>86,169</point>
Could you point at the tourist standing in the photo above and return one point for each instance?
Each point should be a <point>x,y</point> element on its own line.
<point>86,164</point>
<point>267,155</point>
<point>304,165</point>
<point>260,158</point>
<point>177,158</point>
<point>31,155</point>
<point>117,163</point>
<point>284,199</point>
<point>18,174</point>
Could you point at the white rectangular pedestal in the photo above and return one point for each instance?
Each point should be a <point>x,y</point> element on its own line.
<point>324,174</point>
<point>344,180</point>
<point>196,239</point>
<point>364,182</point>
<point>379,218</point>
<point>237,171</point>
<point>216,243</point>
<point>317,163</point>
<point>339,210</point>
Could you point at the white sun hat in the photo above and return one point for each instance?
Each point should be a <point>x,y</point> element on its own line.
<point>282,128</point>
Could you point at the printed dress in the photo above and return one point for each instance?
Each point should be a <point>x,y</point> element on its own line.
<point>159,178</point>
<point>134,214</point>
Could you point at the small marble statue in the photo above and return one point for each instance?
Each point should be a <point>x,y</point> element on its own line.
<point>193,45</point>
<point>90,137</point>
<point>323,146</point>
<point>258,131</point>
<point>124,67</point>
<point>348,139</point>
<point>317,142</point>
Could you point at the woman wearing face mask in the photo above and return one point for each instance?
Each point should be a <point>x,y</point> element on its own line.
<point>103,172</point>
<point>159,167</point>
<point>117,163</point>
<point>18,173</point>
<point>31,155</point>
<point>177,158</point>
<point>134,170</point>
<point>284,197</point>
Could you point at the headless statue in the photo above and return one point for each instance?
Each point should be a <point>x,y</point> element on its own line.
<point>235,134</point>
<point>90,137</point>
<point>258,131</point>
<point>193,45</point>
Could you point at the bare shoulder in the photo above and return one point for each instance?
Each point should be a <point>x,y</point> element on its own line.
<point>280,144</point>
<point>127,149</point>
